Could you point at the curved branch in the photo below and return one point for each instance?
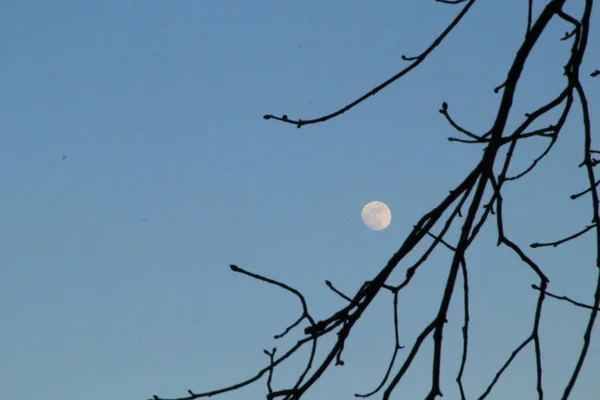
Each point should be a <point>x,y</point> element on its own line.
<point>417,60</point>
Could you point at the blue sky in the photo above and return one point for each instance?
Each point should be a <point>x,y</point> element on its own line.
<point>137,167</point>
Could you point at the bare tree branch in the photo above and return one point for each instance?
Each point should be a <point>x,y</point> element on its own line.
<point>480,193</point>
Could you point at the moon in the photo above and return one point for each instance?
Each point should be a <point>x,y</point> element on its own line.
<point>376,215</point>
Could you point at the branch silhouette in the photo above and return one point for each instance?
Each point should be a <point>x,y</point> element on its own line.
<point>480,193</point>
<point>416,61</point>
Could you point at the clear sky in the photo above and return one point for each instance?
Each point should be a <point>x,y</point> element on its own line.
<point>136,167</point>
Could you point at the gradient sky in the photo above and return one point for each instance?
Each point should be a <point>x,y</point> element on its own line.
<point>136,167</point>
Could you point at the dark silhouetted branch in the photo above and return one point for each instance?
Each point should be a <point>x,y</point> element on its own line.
<point>561,241</point>
<point>480,193</point>
<point>417,60</point>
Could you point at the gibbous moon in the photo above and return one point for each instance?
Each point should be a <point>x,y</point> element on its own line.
<point>376,215</point>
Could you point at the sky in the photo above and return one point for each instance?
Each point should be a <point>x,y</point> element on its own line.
<point>136,166</point>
